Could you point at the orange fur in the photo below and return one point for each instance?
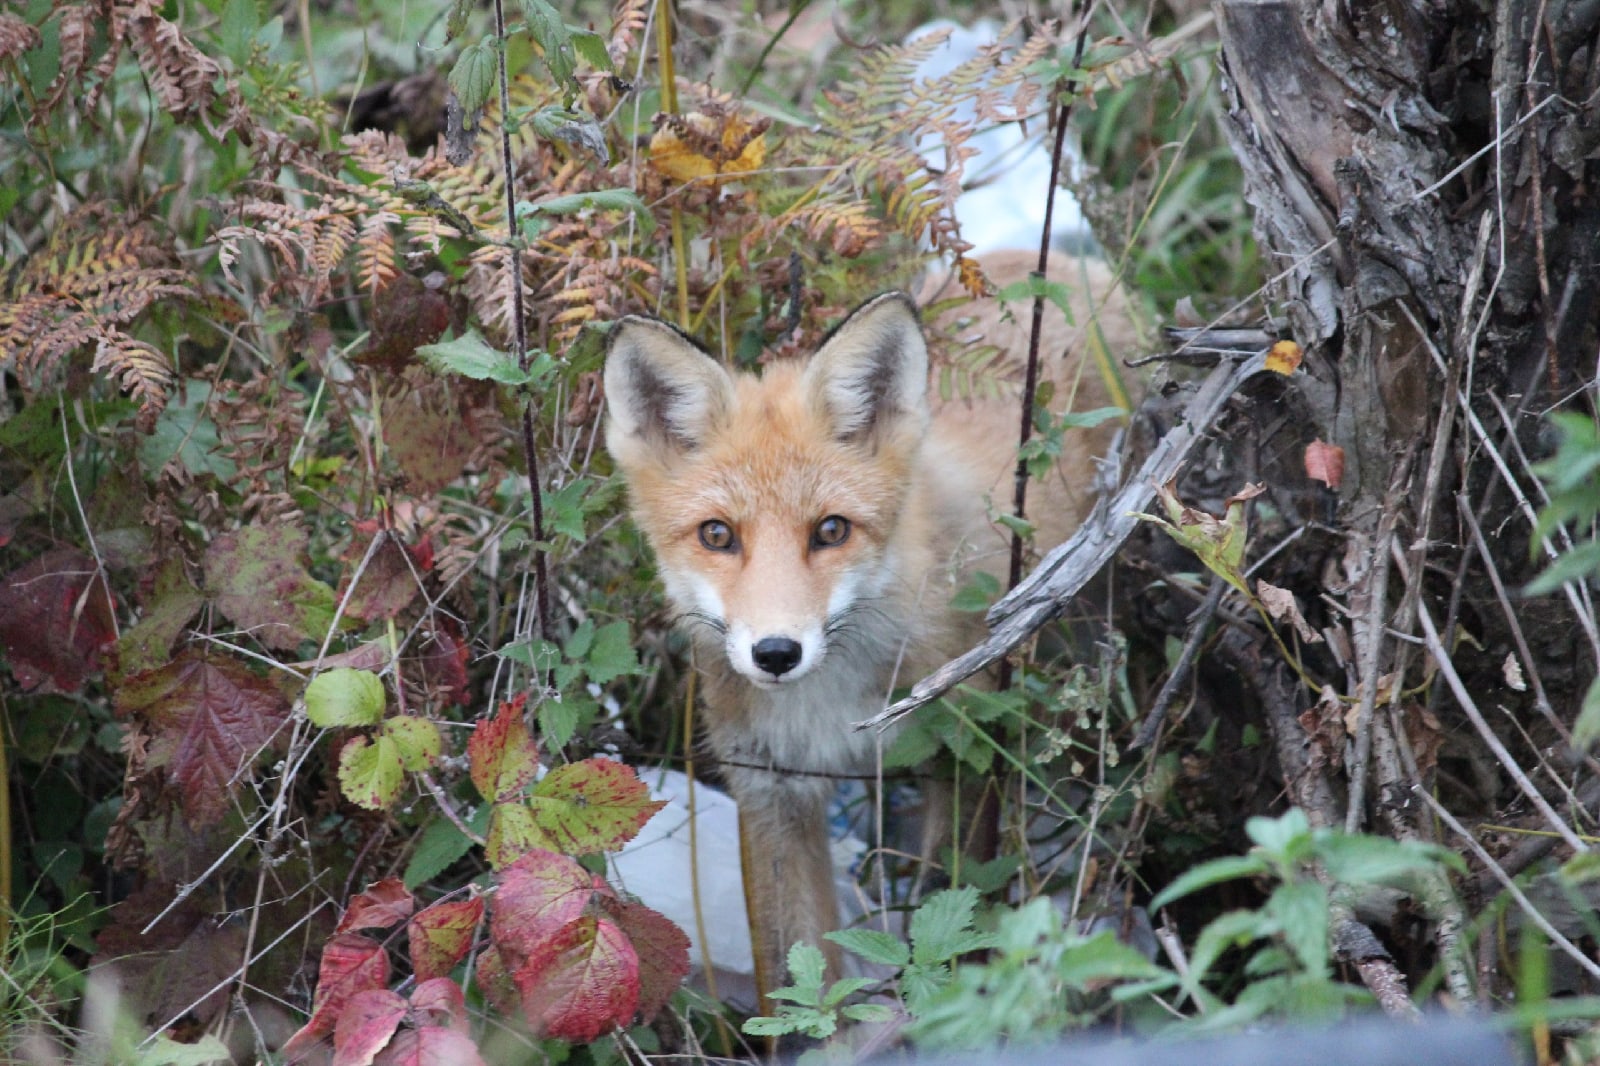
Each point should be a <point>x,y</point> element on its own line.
<point>796,638</point>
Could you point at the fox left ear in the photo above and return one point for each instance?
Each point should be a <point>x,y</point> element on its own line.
<point>872,370</point>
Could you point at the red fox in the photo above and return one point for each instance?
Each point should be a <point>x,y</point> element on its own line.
<point>810,526</point>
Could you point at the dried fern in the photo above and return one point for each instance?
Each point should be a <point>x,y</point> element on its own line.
<point>97,275</point>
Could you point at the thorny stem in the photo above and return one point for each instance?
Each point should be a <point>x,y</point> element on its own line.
<point>541,576</point>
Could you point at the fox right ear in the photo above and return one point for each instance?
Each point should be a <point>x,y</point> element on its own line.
<point>661,388</point>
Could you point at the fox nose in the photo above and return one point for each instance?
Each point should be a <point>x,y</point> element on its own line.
<point>776,655</point>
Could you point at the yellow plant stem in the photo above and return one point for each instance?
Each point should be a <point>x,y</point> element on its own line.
<point>5,835</point>
<point>694,862</point>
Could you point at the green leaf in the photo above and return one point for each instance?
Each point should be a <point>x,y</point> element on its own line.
<point>868,1012</point>
<point>874,945</point>
<point>591,49</point>
<point>589,806</point>
<point>612,655</point>
<point>1574,565</point>
<point>977,594</point>
<point>1283,836</point>
<point>547,28</point>
<point>1369,860</point>
<point>1587,728</point>
<point>1228,868</point>
<point>563,508</point>
<point>806,966</point>
<point>438,847</point>
<point>472,78</point>
<point>1100,959</point>
<point>471,356</point>
<point>1301,911</point>
<point>599,200</point>
<point>559,719</point>
<point>580,131</point>
<point>416,739</point>
<point>344,697</point>
<point>237,30</point>
<point>941,928</point>
<point>1090,419</point>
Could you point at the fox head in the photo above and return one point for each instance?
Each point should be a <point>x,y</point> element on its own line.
<point>772,502</point>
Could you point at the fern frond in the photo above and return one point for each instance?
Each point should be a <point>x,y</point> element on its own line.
<point>17,35</point>
<point>141,370</point>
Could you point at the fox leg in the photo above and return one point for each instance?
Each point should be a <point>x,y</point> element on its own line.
<point>788,876</point>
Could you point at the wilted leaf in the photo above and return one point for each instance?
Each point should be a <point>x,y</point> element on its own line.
<point>1511,670</point>
<point>538,894</point>
<point>427,433</point>
<point>388,582</point>
<point>501,757</point>
<point>1281,606</point>
<point>441,935</point>
<point>181,965</point>
<point>580,982</point>
<point>172,603</point>
<point>345,697</point>
<point>379,907</point>
<point>1219,543</point>
<point>407,313</point>
<point>593,805</point>
<point>256,577</point>
<point>208,717</point>
<point>55,620</point>
<point>709,144</point>
<point>1325,463</point>
<point>443,659</point>
<point>662,948</point>
<point>351,963</point>
<point>1284,358</point>
<point>365,1025</point>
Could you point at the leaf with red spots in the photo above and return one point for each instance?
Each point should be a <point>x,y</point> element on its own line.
<point>539,893</point>
<point>502,757</point>
<point>663,952</point>
<point>441,936</point>
<point>56,617</point>
<point>580,982</point>
<point>256,577</point>
<point>351,963</point>
<point>593,805</point>
<point>493,980</point>
<point>379,907</point>
<point>366,1025</point>
<point>209,717</point>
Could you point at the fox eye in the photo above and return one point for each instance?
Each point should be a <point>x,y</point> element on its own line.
<point>831,532</point>
<point>717,535</point>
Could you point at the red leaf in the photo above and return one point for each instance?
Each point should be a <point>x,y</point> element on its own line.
<point>256,578</point>
<point>379,907</point>
<point>539,894</point>
<point>431,1046</point>
<point>427,428</point>
<point>209,717</point>
<point>55,619</point>
<point>439,1001</point>
<point>663,952</point>
<point>444,662</point>
<point>351,963</point>
<point>441,936</point>
<point>593,805</point>
<point>406,314</point>
<point>1325,463</point>
<point>501,756</point>
<point>365,1025</point>
<point>581,982</point>
<point>388,582</point>
<point>493,979</point>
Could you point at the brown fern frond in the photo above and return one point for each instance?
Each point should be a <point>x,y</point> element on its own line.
<point>76,31</point>
<point>17,35</point>
<point>98,273</point>
<point>141,370</point>
<point>628,20</point>
<point>183,77</point>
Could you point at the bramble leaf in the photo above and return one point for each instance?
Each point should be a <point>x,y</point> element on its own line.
<point>255,576</point>
<point>501,757</point>
<point>351,963</point>
<point>472,77</point>
<point>538,894</point>
<point>593,805</point>
<point>441,935</point>
<point>345,697</point>
<point>380,906</point>
<point>416,739</point>
<point>366,1025</point>
<point>55,619</point>
<point>580,982</point>
<point>209,717</point>
<point>370,772</point>
<point>663,951</point>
